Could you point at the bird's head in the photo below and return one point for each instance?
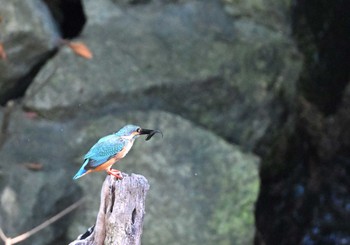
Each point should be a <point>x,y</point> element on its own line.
<point>132,132</point>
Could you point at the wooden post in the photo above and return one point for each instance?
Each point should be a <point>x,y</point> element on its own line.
<point>120,217</point>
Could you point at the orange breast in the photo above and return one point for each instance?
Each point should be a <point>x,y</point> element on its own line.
<point>105,165</point>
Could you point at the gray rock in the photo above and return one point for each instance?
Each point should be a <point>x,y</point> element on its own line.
<point>233,76</point>
<point>202,190</point>
<point>136,50</point>
<point>31,195</point>
<point>29,36</point>
<point>273,14</point>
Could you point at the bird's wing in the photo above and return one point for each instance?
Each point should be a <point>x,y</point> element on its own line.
<point>103,150</point>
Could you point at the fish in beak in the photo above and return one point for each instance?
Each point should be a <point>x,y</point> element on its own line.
<point>150,133</point>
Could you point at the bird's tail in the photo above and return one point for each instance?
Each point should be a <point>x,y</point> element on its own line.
<point>82,171</point>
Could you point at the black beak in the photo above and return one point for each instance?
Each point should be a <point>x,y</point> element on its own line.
<point>150,133</point>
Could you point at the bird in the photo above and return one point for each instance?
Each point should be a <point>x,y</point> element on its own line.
<point>110,149</point>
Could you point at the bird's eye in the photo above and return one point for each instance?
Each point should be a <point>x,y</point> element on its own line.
<point>138,130</point>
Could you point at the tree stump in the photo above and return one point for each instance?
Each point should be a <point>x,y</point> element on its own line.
<point>120,217</point>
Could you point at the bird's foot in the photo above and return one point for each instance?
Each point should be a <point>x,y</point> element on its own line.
<point>116,173</point>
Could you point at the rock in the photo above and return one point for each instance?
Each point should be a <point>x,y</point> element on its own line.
<point>189,58</point>
<point>213,180</point>
<point>202,190</point>
<point>270,13</point>
<point>34,183</point>
<point>29,36</point>
<point>122,61</point>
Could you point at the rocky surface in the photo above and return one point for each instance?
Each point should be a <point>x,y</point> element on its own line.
<point>194,176</point>
<point>191,172</point>
<point>29,36</point>
<point>205,75</point>
<point>202,71</point>
<point>34,176</point>
<point>227,70</point>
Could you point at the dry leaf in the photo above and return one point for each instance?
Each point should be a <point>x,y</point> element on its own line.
<point>35,166</point>
<point>80,49</point>
<point>31,114</point>
<point>2,52</point>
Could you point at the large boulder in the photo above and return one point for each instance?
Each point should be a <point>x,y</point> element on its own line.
<point>35,178</point>
<point>29,36</point>
<point>203,189</point>
<point>230,74</point>
<point>135,50</point>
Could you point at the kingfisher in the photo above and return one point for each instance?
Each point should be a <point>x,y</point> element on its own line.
<point>110,149</point>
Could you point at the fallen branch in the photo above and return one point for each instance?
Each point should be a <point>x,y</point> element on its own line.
<point>24,236</point>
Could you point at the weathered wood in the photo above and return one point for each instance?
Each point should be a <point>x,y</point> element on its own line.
<point>120,217</point>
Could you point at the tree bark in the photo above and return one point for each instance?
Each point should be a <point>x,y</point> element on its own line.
<point>120,217</point>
